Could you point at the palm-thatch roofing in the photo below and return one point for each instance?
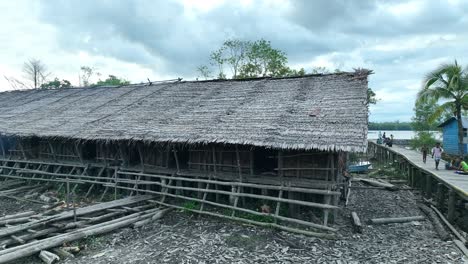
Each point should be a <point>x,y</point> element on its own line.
<point>324,112</point>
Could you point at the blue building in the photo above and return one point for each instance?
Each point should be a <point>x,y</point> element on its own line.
<point>450,135</point>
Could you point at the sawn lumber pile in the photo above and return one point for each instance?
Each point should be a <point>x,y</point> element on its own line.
<point>29,233</point>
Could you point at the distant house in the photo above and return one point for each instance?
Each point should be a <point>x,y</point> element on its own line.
<point>450,135</point>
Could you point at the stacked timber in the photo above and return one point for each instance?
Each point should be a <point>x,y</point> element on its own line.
<point>43,235</point>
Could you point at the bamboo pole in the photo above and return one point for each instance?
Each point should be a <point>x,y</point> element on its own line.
<point>284,228</point>
<point>251,185</point>
<point>257,196</point>
<point>292,220</point>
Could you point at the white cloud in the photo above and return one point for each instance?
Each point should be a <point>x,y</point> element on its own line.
<point>400,40</point>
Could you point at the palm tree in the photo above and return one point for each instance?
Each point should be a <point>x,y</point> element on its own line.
<point>448,83</point>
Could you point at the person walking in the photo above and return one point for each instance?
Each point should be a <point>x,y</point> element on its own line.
<point>424,151</point>
<point>437,154</point>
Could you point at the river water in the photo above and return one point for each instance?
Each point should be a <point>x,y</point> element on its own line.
<point>399,134</point>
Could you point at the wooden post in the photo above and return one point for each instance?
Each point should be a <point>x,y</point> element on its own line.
<point>418,180</point>
<point>123,155</point>
<point>68,192</point>
<point>440,195</point>
<point>326,211</point>
<point>410,175</point>
<point>78,151</point>
<point>251,158</point>
<point>239,170</point>
<point>215,169</point>
<point>428,186</point>
<point>51,148</point>
<point>451,206</point>
<point>116,177</point>
<point>334,175</point>
<point>2,146</point>
<point>23,152</point>
<point>178,182</point>
<point>281,175</point>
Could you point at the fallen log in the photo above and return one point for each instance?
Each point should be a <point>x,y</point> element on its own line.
<point>24,199</point>
<point>14,253</point>
<point>461,246</point>
<point>18,220</point>
<point>48,257</point>
<point>27,237</point>
<point>380,183</point>
<point>71,249</point>
<point>356,222</point>
<point>13,216</point>
<point>71,214</point>
<point>367,187</point>
<point>16,190</point>
<point>17,239</point>
<point>377,221</point>
<point>156,216</point>
<point>63,254</point>
<point>10,184</point>
<point>58,235</point>
<point>440,230</point>
<point>48,199</point>
<point>446,222</point>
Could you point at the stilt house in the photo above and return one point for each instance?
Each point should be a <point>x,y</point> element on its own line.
<point>272,148</point>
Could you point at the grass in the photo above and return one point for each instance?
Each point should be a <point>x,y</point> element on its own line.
<point>190,205</point>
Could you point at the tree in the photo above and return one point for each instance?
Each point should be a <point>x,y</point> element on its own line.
<point>86,74</point>
<point>422,119</point>
<point>204,71</point>
<point>423,123</point>
<point>371,97</point>
<point>236,51</point>
<point>217,60</point>
<point>447,83</point>
<point>246,59</point>
<point>321,70</point>
<point>36,72</point>
<point>263,60</point>
<point>56,84</point>
<point>112,80</point>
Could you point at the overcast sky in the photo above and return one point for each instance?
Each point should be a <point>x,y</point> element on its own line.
<point>399,40</point>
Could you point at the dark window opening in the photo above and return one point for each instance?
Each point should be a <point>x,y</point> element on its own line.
<point>265,161</point>
<point>89,150</point>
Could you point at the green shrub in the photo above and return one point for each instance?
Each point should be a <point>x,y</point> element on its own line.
<point>190,205</point>
<point>423,138</point>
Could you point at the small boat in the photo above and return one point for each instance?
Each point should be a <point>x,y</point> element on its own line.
<point>359,168</point>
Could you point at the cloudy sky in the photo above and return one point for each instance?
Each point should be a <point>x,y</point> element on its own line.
<point>160,40</point>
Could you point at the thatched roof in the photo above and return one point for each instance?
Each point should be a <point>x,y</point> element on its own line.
<point>325,112</point>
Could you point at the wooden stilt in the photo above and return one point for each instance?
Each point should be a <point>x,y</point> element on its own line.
<point>78,151</point>
<point>2,147</point>
<point>440,195</point>
<point>326,211</point>
<point>178,182</point>
<point>451,205</point>
<point>281,175</point>
<point>428,186</point>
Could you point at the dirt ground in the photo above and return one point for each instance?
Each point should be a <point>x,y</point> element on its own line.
<point>181,237</point>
